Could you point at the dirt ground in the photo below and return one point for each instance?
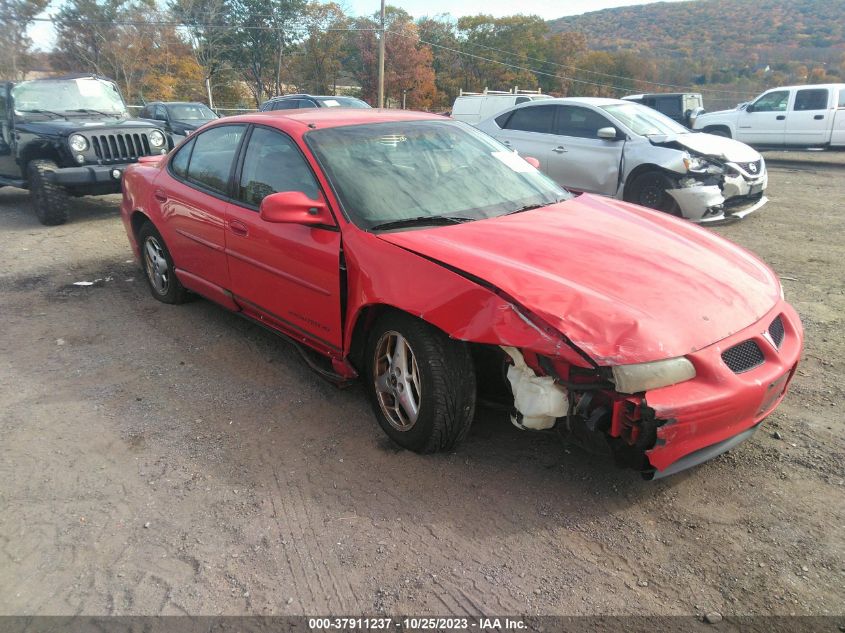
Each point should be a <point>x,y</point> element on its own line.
<point>169,460</point>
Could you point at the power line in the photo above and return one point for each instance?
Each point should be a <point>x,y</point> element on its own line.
<point>596,72</point>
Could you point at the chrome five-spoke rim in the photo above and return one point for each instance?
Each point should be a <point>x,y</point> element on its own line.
<point>397,380</point>
<point>156,265</point>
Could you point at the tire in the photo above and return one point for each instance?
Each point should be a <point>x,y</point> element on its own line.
<point>649,190</point>
<point>49,200</point>
<point>437,374</point>
<point>718,131</point>
<point>158,267</point>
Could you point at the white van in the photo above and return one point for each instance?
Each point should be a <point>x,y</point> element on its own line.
<point>474,107</point>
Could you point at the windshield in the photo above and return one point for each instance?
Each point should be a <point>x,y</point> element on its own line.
<point>642,120</point>
<point>191,112</point>
<point>389,172</point>
<point>342,102</point>
<point>68,95</point>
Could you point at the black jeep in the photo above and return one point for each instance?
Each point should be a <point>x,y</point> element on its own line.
<point>69,136</point>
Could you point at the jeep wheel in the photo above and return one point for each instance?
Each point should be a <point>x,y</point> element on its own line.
<point>158,267</point>
<point>421,383</point>
<point>49,199</point>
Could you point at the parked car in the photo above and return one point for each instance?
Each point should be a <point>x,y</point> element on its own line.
<point>69,136</point>
<point>793,116</point>
<point>474,107</point>
<point>178,118</point>
<point>300,101</point>
<point>628,151</point>
<point>681,107</point>
<point>423,257</point>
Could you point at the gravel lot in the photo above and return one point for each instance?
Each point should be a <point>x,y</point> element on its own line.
<point>169,460</point>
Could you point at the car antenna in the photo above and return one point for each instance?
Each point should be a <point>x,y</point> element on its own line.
<point>313,126</point>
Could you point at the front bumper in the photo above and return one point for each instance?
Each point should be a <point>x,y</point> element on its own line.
<point>89,175</point>
<point>718,404</point>
<point>737,196</point>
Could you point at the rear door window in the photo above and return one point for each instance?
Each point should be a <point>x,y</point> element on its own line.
<point>286,104</point>
<point>532,119</point>
<point>212,157</point>
<point>179,163</point>
<point>579,122</point>
<point>811,99</point>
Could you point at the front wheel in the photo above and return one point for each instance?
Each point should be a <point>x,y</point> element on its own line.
<point>49,199</point>
<point>651,190</point>
<point>421,383</point>
<point>158,267</point>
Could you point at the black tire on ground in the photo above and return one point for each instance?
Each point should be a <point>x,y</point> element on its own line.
<point>158,267</point>
<point>649,190</point>
<point>49,199</point>
<point>719,131</point>
<point>438,373</point>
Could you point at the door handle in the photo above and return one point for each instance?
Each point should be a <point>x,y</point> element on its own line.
<point>780,117</point>
<point>560,149</point>
<point>159,195</point>
<point>508,143</point>
<point>818,117</point>
<point>238,228</point>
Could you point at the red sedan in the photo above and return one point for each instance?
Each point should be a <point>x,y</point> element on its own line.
<point>423,257</point>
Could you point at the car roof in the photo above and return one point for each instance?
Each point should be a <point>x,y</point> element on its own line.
<point>335,117</point>
<point>592,101</point>
<point>302,95</point>
<point>806,86</point>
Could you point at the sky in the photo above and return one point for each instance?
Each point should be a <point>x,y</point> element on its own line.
<point>43,36</point>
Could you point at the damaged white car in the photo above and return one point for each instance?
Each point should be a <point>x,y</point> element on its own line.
<point>630,152</point>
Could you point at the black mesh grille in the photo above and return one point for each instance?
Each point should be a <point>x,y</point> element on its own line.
<point>776,331</point>
<point>753,167</point>
<point>742,357</point>
<point>120,146</point>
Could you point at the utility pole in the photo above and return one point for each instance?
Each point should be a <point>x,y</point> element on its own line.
<point>381,60</point>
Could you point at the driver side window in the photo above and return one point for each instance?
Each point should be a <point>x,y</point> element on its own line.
<point>273,163</point>
<point>772,102</point>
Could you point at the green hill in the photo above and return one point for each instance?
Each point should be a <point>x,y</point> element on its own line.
<point>773,31</point>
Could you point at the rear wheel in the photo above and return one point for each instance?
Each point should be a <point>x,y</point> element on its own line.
<point>650,190</point>
<point>421,383</point>
<point>158,267</point>
<point>49,199</point>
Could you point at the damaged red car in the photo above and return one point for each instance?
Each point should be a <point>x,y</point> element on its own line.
<point>424,258</point>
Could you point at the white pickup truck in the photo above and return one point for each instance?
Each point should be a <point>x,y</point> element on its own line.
<point>789,117</point>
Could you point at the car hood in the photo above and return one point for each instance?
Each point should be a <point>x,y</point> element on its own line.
<point>82,125</point>
<point>623,283</point>
<point>710,145</point>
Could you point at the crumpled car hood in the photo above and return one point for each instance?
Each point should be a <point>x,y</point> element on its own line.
<point>623,283</point>
<point>726,149</point>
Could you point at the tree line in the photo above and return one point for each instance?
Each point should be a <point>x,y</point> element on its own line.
<point>241,52</point>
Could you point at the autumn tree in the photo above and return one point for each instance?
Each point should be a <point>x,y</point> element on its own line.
<point>408,63</point>
<point>262,32</point>
<point>441,35</point>
<point>210,42</point>
<point>15,46</point>
<point>323,49</point>
<point>126,40</point>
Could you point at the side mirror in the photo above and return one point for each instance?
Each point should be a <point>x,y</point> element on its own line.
<point>607,133</point>
<point>749,107</point>
<point>532,161</point>
<point>294,207</point>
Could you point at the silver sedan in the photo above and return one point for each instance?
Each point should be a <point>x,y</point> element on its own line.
<point>630,152</point>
